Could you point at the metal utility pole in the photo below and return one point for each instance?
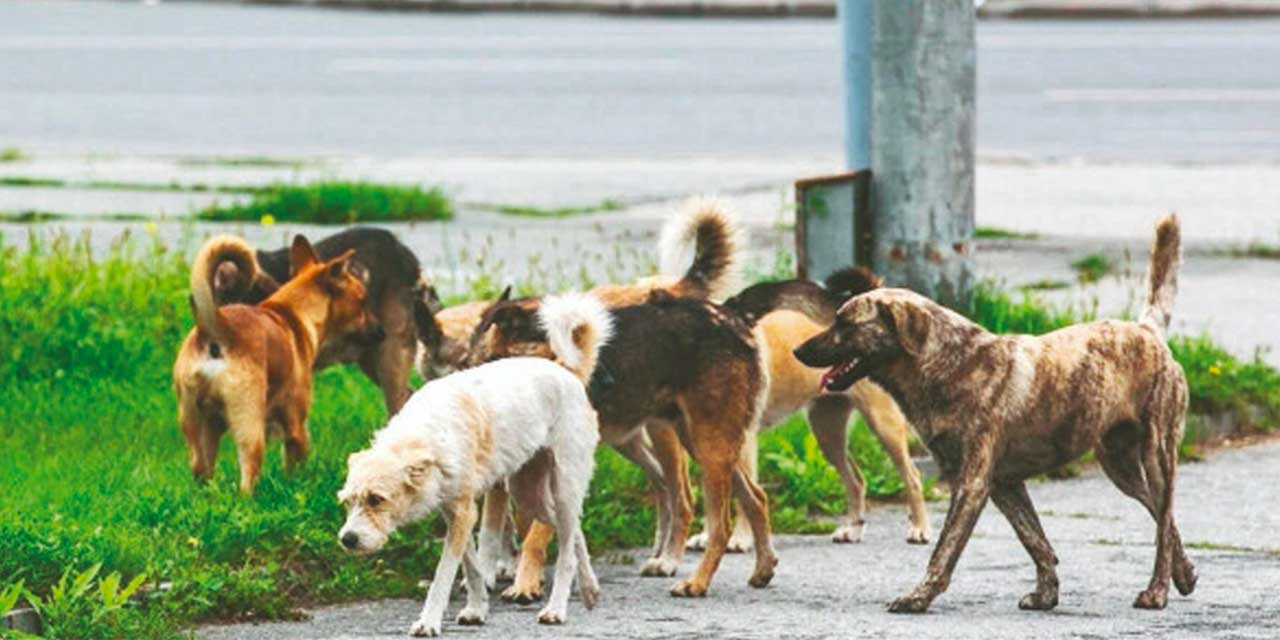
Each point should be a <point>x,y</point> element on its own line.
<point>856,29</point>
<point>923,69</point>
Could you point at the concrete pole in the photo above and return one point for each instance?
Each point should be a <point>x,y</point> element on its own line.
<point>922,146</point>
<point>855,28</point>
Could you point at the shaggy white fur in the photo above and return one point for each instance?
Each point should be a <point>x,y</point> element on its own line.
<point>677,242</point>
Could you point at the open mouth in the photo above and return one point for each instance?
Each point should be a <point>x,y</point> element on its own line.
<point>842,376</point>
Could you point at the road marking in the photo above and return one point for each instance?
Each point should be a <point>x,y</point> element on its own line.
<point>1136,95</point>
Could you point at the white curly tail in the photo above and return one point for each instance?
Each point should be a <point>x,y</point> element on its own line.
<point>577,326</point>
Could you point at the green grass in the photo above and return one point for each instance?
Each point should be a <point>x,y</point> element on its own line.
<point>996,233</point>
<point>13,154</point>
<point>238,162</point>
<point>109,185</point>
<point>1045,285</point>
<point>95,468</point>
<point>1093,267</point>
<point>1257,250</point>
<point>556,212</point>
<point>338,202</point>
<point>31,216</point>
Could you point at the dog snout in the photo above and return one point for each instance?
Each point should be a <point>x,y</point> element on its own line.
<point>350,540</point>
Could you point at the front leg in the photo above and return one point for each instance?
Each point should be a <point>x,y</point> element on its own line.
<point>460,517</point>
<point>968,497</point>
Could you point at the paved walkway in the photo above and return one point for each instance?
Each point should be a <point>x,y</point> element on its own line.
<point>823,590</point>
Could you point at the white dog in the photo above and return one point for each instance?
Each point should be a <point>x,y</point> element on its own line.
<point>523,419</point>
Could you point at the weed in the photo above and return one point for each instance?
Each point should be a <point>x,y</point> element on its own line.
<point>13,154</point>
<point>556,212</point>
<point>111,185</point>
<point>996,233</point>
<point>338,203</point>
<point>237,162</point>
<point>1093,267</point>
<point>1257,250</point>
<point>1045,285</point>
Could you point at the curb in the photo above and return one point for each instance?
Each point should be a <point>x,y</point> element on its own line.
<point>24,620</point>
<point>1011,10</point>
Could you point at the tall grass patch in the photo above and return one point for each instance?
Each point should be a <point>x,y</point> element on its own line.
<point>338,202</point>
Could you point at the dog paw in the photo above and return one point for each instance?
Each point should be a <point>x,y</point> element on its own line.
<point>522,595</point>
<point>918,535</point>
<point>1185,580</point>
<point>1037,601</point>
<point>1151,599</point>
<point>696,542</point>
<point>551,616</point>
<point>590,596</point>
<point>659,568</point>
<point>425,629</point>
<point>909,604</point>
<point>688,589</point>
<point>472,617</point>
<point>504,572</point>
<point>848,533</point>
<point>739,543</point>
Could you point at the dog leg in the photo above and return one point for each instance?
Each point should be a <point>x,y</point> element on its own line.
<point>477,609</point>
<point>891,428</point>
<point>566,508</point>
<point>717,483</point>
<point>679,499</point>
<point>1121,460</point>
<point>247,422</point>
<point>202,437</point>
<point>968,497</point>
<point>497,557</point>
<point>1160,465</point>
<point>530,488</point>
<point>461,517</point>
<point>297,440</point>
<point>639,449</point>
<point>1015,504</point>
<point>829,421</point>
<point>588,584</point>
<point>755,507</point>
<point>740,541</point>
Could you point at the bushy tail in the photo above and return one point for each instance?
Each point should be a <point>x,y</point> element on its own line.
<point>852,281</point>
<point>577,325</point>
<point>207,265</point>
<point>707,226</point>
<point>426,304</point>
<point>1162,275</point>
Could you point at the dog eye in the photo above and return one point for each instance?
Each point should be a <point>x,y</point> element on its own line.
<point>373,500</point>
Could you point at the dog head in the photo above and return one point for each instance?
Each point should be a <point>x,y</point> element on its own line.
<point>334,288</point>
<point>508,329</point>
<point>871,331</point>
<point>385,488</point>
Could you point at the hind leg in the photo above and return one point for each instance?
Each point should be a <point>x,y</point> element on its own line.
<point>246,419</point>
<point>891,428</point>
<point>567,494</point>
<point>671,456</point>
<point>1015,504</point>
<point>497,555</point>
<point>297,438</point>
<point>755,511</point>
<point>717,483</point>
<point>202,434</point>
<point>829,421</point>
<point>530,488</point>
<point>741,540</point>
<point>389,365</point>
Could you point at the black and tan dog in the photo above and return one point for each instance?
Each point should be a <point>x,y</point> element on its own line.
<point>247,368</point>
<point>995,410</point>
<point>394,296</point>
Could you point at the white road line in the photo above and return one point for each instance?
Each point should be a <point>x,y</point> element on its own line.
<point>1137,95</point>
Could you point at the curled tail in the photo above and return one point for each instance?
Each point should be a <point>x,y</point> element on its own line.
<point>1162,275</point>
<point>224,264</point>
<point>709,228</point>
<point>577,325</point>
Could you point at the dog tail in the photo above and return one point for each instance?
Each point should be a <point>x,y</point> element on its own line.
<point>426,304</point>
<point>708,226</point>
<point>577,326</point>
<point>1162,275</point>
<point>852,281</point>
<point>208,266</point>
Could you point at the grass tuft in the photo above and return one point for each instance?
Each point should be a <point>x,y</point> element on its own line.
<point>13,154</point>
<point>996,233</point>
<point>338,202</point>
<point>558,212</point>
<point>1093,267</point>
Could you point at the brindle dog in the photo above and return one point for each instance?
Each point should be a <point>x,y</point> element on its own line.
<point>996,410</point>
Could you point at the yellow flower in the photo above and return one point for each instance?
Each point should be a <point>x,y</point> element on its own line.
<point>193,541</point>
<point>1215,370</point>
<point>268,220</point>
<point>150,228</point>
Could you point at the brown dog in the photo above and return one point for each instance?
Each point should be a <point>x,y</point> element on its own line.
<point>246,367</point>
<point>996,410</point>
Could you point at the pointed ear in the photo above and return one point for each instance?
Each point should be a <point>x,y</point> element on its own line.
<point>506,295</point>
<point>912,324</point>
<point>339,266</point>
<point>301,255</point>
<point>432,300</point>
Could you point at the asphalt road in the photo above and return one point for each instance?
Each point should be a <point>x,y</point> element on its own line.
<point>823,590</point>
<point>193,78</point>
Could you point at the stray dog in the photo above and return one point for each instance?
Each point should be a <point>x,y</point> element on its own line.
<point>394,294</point>
<point>526,421</point>
<point>246,367</point>
<point>996,410</point>
<point>788,313</point>
<point>687,363</point>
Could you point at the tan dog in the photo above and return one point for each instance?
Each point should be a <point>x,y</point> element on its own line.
<point>246,367</point>
<point>995,410</point>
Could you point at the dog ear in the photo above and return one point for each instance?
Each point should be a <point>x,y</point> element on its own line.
<point>340,266</point>
<point>506,295</point>
<point>911,324</point>
<point>301,255</point>
<point>416,472</point>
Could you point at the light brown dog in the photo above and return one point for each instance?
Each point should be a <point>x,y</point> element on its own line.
<point>244,368</point>
<point>995,410</point>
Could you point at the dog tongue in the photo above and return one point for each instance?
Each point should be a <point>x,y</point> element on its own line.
<point>827,377</point>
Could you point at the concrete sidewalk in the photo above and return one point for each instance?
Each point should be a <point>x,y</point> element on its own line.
<point>1009,9</point>
<point>823,590</point>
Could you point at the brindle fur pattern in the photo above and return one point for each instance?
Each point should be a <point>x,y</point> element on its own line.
<point>995,410</point>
